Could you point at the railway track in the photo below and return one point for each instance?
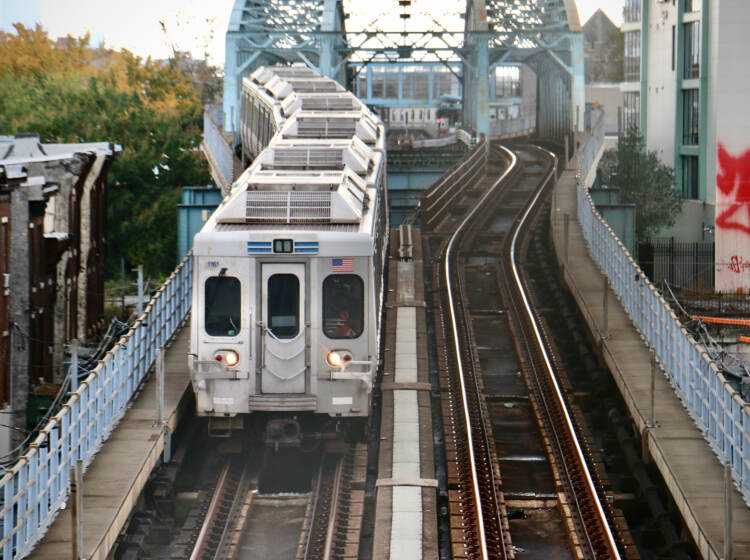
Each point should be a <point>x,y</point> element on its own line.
<point>212,538</point>
<point>477,282</point>
<point>322,522</point>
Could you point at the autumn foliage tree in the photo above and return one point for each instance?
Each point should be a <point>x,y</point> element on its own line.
<point>69,91</point>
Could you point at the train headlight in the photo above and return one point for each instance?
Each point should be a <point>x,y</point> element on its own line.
<point>338,358</point>
<point>231,358</point>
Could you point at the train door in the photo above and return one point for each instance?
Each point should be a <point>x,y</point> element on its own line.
<point>283,336</point>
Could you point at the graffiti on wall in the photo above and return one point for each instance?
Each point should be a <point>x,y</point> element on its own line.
<point>732,218</point>
<point>733,182</point>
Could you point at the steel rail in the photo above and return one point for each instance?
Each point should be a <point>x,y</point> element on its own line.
<point>457,349</point>
<point>547,361</point>
<point>200,541</point>
<point>315,500</point>
<point>333,510</point>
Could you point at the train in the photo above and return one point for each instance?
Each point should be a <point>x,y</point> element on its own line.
<point>288,274</point>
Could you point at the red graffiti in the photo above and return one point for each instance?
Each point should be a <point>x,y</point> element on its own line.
<point>733,180</point>
<point>738,264</point>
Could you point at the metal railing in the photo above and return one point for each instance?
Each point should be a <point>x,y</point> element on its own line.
<point>37,486</point>
<point>513,127</point>
<point>217,149</point>
<point>590,149</point>
<point>465,137</point>
<point>438,198</point>
<point>712,402</point>
<point>440,142</point>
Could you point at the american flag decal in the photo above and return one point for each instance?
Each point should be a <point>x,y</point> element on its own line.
<point>342,265</point>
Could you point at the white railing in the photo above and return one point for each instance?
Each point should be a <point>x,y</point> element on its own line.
<point>36,487</point>
<point>513,127</point>
<point>218,151</point>
<point>439,142</point>
<point>465,137</point>
<point>714,405</point>
<point>587,154</point>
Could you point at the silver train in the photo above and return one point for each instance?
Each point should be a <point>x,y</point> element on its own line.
<point>288,271</point>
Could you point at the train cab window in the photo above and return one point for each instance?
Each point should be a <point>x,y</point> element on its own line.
<point>283,305</point>
<point>343,306</point>
<point>223,306</point>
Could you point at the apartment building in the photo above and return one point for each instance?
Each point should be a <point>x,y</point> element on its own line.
<point>685,86</point>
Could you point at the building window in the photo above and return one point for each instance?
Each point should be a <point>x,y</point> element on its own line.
<point>362,84</point>
<point>692,5</point>
<point>632,11</point>
<point>378,86</point>
<point>415,85</point>
<point>690,108</point>
<point>445,83</point>
<point>632,56</point>
<point>507,81</point>
<point>391,85</point>
<point>631,110</point>
<point>690,177</point>
<point>674,28</point>
<point>692,50</point>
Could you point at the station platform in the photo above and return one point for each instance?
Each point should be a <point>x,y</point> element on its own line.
<point>406,488</point>
<point>116,477</point>
<point>690,468</point>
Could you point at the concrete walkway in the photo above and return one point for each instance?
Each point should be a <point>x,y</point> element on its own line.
<point>115,479</point>
<point>690,468</point>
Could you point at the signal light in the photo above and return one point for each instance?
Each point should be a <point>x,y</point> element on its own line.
<point>338,358</point>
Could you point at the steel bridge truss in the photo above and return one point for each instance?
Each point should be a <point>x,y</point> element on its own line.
<point>544,34</point>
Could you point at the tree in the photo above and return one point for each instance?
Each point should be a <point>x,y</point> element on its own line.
<point>68,91</point>
<point>644,181</point>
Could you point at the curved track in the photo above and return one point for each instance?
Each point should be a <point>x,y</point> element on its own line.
<point>485,532</point>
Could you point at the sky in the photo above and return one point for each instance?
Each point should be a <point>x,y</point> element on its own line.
<point>197,26</point>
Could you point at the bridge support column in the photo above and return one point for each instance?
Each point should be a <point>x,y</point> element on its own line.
<point>578,92</point>
<point>231,85</point>
<point>476,88</point>
<point>332,21</point>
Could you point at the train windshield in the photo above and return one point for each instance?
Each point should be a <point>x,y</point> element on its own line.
<point>283,305</point>
<point>343,306</point>
<point>223,306</point>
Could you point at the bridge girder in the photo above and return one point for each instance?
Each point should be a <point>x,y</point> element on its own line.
<point>281,32</point>
<point>545,34</point>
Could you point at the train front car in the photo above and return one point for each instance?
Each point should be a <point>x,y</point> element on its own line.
<point>288,271</point>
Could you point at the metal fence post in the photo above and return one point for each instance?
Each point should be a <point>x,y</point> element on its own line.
<point>160,386</point>
<point>160,407</point>
<point>605,333</point>
<point>652,421</point>
<point>74,365</point>
<point>76,508</point>
<point>728,511</point>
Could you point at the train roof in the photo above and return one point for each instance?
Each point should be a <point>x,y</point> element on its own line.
<point>282,81</point>
<point>320,102</point>
<point>322,170</point>
<point>362,124</point>
<point>316,153</point>
<point>286,197</point>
